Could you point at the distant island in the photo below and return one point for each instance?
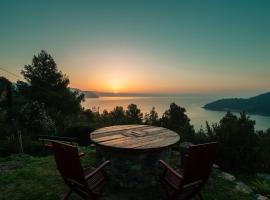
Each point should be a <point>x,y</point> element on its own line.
<point>87,94</point>
<point>255,105</point>
<point>96,94</point>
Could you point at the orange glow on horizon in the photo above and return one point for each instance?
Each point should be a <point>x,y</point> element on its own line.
<point>118,70</point>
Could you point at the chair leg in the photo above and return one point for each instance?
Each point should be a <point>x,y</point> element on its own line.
<point>67,194</point>
<point>200,196</point>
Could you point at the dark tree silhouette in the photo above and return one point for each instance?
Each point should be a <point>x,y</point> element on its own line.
<point>175,119</point>
<point>117,116</point>
<point>5,92</point>
<point>152,118</point>
<point>49,86</point>
<point>6,106</point>
<point>133,114</point>
<point>237,142</point>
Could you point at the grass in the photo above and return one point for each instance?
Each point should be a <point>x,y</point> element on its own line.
<point>258,185</point>
<point>261,186</point>
<point>26,177</point>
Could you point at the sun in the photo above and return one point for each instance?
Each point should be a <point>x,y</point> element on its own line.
<point>115,92</point>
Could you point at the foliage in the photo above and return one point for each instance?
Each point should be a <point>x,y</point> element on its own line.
<point>117,116</point>
<point>237,142</point>
<point>202,136</point>
<point>263,151</point>
<point>6,102</point>
<point>133,114</point>
<point>261,186</point>
<point>104,118</point>
<point>152,118</point>
<point>5,92</point>
<point>47,85</point>
<point>35,121</point>
<point>175,119</point>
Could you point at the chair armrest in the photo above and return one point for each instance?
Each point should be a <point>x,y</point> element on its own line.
<point>97,169</point>
<point>167,167</point>
<point>195,184</point>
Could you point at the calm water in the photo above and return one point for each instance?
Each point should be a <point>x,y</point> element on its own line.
<point>192,103</point>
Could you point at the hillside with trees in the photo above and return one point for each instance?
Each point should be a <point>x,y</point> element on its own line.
<point>255,105</point>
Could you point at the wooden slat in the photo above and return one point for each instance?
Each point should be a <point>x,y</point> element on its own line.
<point>124,140</point>
<point>131,142</point>
<point>116,128</point>
<point>97,134</point>
<point>155,143</point>
<point>134,137</point>
<point>108,138</point>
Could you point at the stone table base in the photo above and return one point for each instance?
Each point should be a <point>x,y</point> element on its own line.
<point>133,169</point>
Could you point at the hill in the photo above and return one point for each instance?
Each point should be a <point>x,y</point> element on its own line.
<point>255,105</point>
<point>87,94</point>
<point>90,94</point>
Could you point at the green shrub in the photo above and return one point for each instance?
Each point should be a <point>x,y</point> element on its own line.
<point>261,186</point>
<point>237,143</point>
<point>34,119</point>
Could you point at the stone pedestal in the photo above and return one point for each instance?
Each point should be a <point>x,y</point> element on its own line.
<point>133,169</point>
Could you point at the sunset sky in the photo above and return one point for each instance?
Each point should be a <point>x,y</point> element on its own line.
<point>143,46</point>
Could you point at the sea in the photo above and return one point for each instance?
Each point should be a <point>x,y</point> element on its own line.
<point>192,103</point>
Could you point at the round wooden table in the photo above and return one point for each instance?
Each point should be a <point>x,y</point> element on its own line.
<point>134,151</point>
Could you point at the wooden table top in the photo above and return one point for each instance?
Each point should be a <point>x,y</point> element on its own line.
<point>134,137</point>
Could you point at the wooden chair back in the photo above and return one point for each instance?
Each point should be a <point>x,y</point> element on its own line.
<point>198,162</point>
<point>68,162</point>
<point>88,183</point>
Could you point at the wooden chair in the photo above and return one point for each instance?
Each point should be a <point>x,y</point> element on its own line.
<point>46,140</point>
<point>88,183</point>
<point>187,182</point>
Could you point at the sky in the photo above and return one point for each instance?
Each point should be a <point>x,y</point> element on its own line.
<point>143,46</point>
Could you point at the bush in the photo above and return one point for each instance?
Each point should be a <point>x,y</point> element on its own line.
<point>263,152</point>
<point>152,118</point>
<point>34,120</point>
<point>237,143</point>
<point>261,186</point>
<point>175,119</point>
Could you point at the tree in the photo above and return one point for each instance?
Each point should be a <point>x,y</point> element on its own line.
<point>34,120</point>
<point>5,93</point>
<point>7,111</point>
<point>133,114</point>
<point>117,116</point>
<point>175,119</point>
<point>49,86</point>
<point>104,118</point>
<point>152,118</point>
<point>263,151</point>
<point>237,142</point>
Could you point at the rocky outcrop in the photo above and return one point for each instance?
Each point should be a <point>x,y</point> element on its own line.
<point>242,187</point>
<point>227,176</point>
<point>261,197</point>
